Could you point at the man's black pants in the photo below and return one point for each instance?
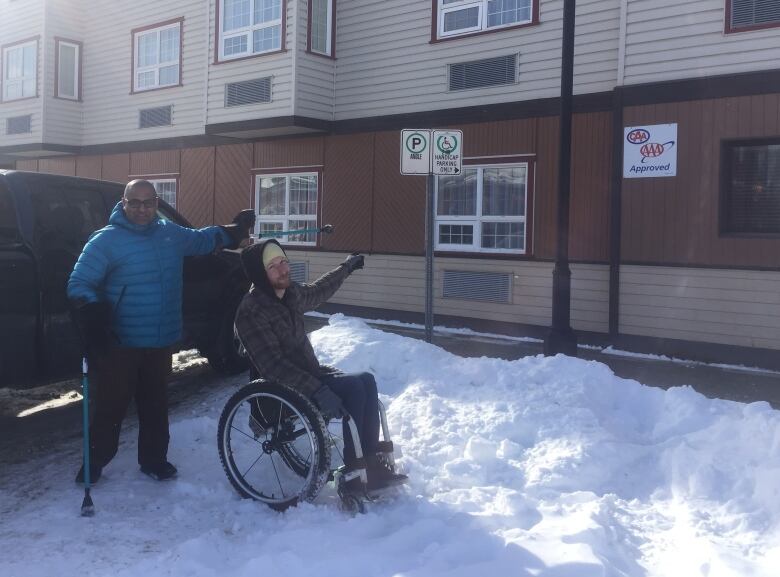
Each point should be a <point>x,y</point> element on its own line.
<point>115,379</point>
<point>358,392</point>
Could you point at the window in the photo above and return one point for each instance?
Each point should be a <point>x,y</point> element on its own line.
<point>68,82</point>
<point>751,14</point>
<point>750,195</point>
<point>287,202</point>
<point>321,16</point>
<point>166,189</point>
<point>157,56</point>
<point>249,27</point>
<point>483,209</point>
<point>457,17</point>
<point>20,70</point>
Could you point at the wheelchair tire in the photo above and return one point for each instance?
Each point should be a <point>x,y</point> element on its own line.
<point>281,458</point>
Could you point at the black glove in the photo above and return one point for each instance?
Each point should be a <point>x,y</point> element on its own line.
<point>354,262</point>
<point>243,222</point>
<point>93,321</point>
<point>328,403</point>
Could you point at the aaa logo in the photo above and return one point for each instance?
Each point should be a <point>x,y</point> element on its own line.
<point>654,149</point>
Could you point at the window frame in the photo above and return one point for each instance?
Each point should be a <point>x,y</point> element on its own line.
<point>725,178</point>
<point>302,171</point>
<point>330,33</point>
<point>729,29</point>
<point>58,43</point>
<point>155,180</point>
<point>157,27</point>
<point>4,49</point>
<point>437,20</point>
<point>477,220</point>
<point>219,56</point>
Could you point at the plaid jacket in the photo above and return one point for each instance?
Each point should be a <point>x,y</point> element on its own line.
<point>273,334</point>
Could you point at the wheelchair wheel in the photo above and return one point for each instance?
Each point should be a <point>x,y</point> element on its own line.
<point>273,445</point>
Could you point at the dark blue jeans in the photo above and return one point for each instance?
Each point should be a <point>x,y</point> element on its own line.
<point>358,393</point>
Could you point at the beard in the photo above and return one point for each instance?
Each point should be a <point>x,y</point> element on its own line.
<point>281,283</point>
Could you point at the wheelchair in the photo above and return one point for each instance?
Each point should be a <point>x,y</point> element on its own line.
<point>276,447</point>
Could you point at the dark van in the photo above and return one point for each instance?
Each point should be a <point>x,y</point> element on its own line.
<point>45,220</point>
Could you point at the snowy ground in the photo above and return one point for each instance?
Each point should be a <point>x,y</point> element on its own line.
<point>546,467</point>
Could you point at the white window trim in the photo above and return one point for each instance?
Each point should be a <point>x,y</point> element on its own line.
<point>155,67</point>
<point>482,26</point>
<point>7,82</point>
<point>248,32</point>
<point>76,72</point>
<point>328,32</point>
<point>286,217</point>
<point>156,181</point>
<point>477,220</point>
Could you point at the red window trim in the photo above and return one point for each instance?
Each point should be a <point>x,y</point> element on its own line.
<point>297,169</point>
<point>135,31</point>
<point>728,29</point>
<point>37,40</point>
<point>435,24</point>
<point>217,41</point>
<point>530,201</point>
<point>332,55</point>
<point>57,41</point>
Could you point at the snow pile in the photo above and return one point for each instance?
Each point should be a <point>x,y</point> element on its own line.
<point>537,467</point>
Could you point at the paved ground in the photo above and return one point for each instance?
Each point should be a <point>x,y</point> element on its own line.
<point>22,439</point>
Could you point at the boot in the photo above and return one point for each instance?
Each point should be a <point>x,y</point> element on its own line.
<point>381,475</point>
<point>160,471</point>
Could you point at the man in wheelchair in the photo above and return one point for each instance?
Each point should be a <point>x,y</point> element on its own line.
<point>269,323</point>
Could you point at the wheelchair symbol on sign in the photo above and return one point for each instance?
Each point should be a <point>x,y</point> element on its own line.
<point>447,144</point>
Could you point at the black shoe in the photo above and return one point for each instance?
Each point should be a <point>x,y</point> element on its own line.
<point>380,475</point>
<point>160,471</point>
<point>94,474</point>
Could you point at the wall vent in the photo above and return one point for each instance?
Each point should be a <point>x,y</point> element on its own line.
<point>160,116</point>
<point>299,271</point>
<point>754,12</point>
<point>493,287</point>
<point>481,73</point>
<point>248,92</point>
<point>19,124</point>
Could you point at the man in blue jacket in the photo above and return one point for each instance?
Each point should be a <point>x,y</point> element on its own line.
<point>126,289</point>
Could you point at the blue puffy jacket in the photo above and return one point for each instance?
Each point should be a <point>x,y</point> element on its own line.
<point>138,270</point>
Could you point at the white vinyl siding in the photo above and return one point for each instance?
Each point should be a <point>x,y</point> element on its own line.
<point>287,202</point>
<point>68,70</point>
<point>156,58</point>
<point>249,27</point>
<point>20,71</point>
<point>669,40</point>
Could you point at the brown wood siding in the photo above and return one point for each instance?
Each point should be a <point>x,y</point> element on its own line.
<point>675,220</point>
<point>399,201</point>
<point>289,153</point>
<point>65,166</point>
<point>89,166</point>
<point>347,191</point>
<point>154,163</point>
<point>233,183</point>
<point>499,138</point>
<point>195,197</point>
<point>31,165</point>
<point>546,189</point>
<point>116,167</point>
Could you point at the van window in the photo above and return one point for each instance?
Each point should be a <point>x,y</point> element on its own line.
<point>9,231</point>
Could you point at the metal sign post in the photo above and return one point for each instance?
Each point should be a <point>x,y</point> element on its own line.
<point>428,152</point>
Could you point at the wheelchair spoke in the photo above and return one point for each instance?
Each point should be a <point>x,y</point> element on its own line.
<point>278,480</point>
<point>252,437</point>
<point>253,464</point>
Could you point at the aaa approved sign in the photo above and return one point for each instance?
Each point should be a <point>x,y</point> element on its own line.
<point>650,151</point>
<point>415,151</point>
<point>447,148</point>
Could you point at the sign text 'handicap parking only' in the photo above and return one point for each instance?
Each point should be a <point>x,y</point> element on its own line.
<point>447,152</point>
<point>415,151</point>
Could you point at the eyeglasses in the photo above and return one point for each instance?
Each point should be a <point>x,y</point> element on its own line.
<point>135,204</point>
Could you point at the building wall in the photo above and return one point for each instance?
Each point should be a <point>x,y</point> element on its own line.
<point>732,307</point>
<point>388,65</point>
<point>668,39</point>
<point>675,220</point>
<point>315,76</point>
